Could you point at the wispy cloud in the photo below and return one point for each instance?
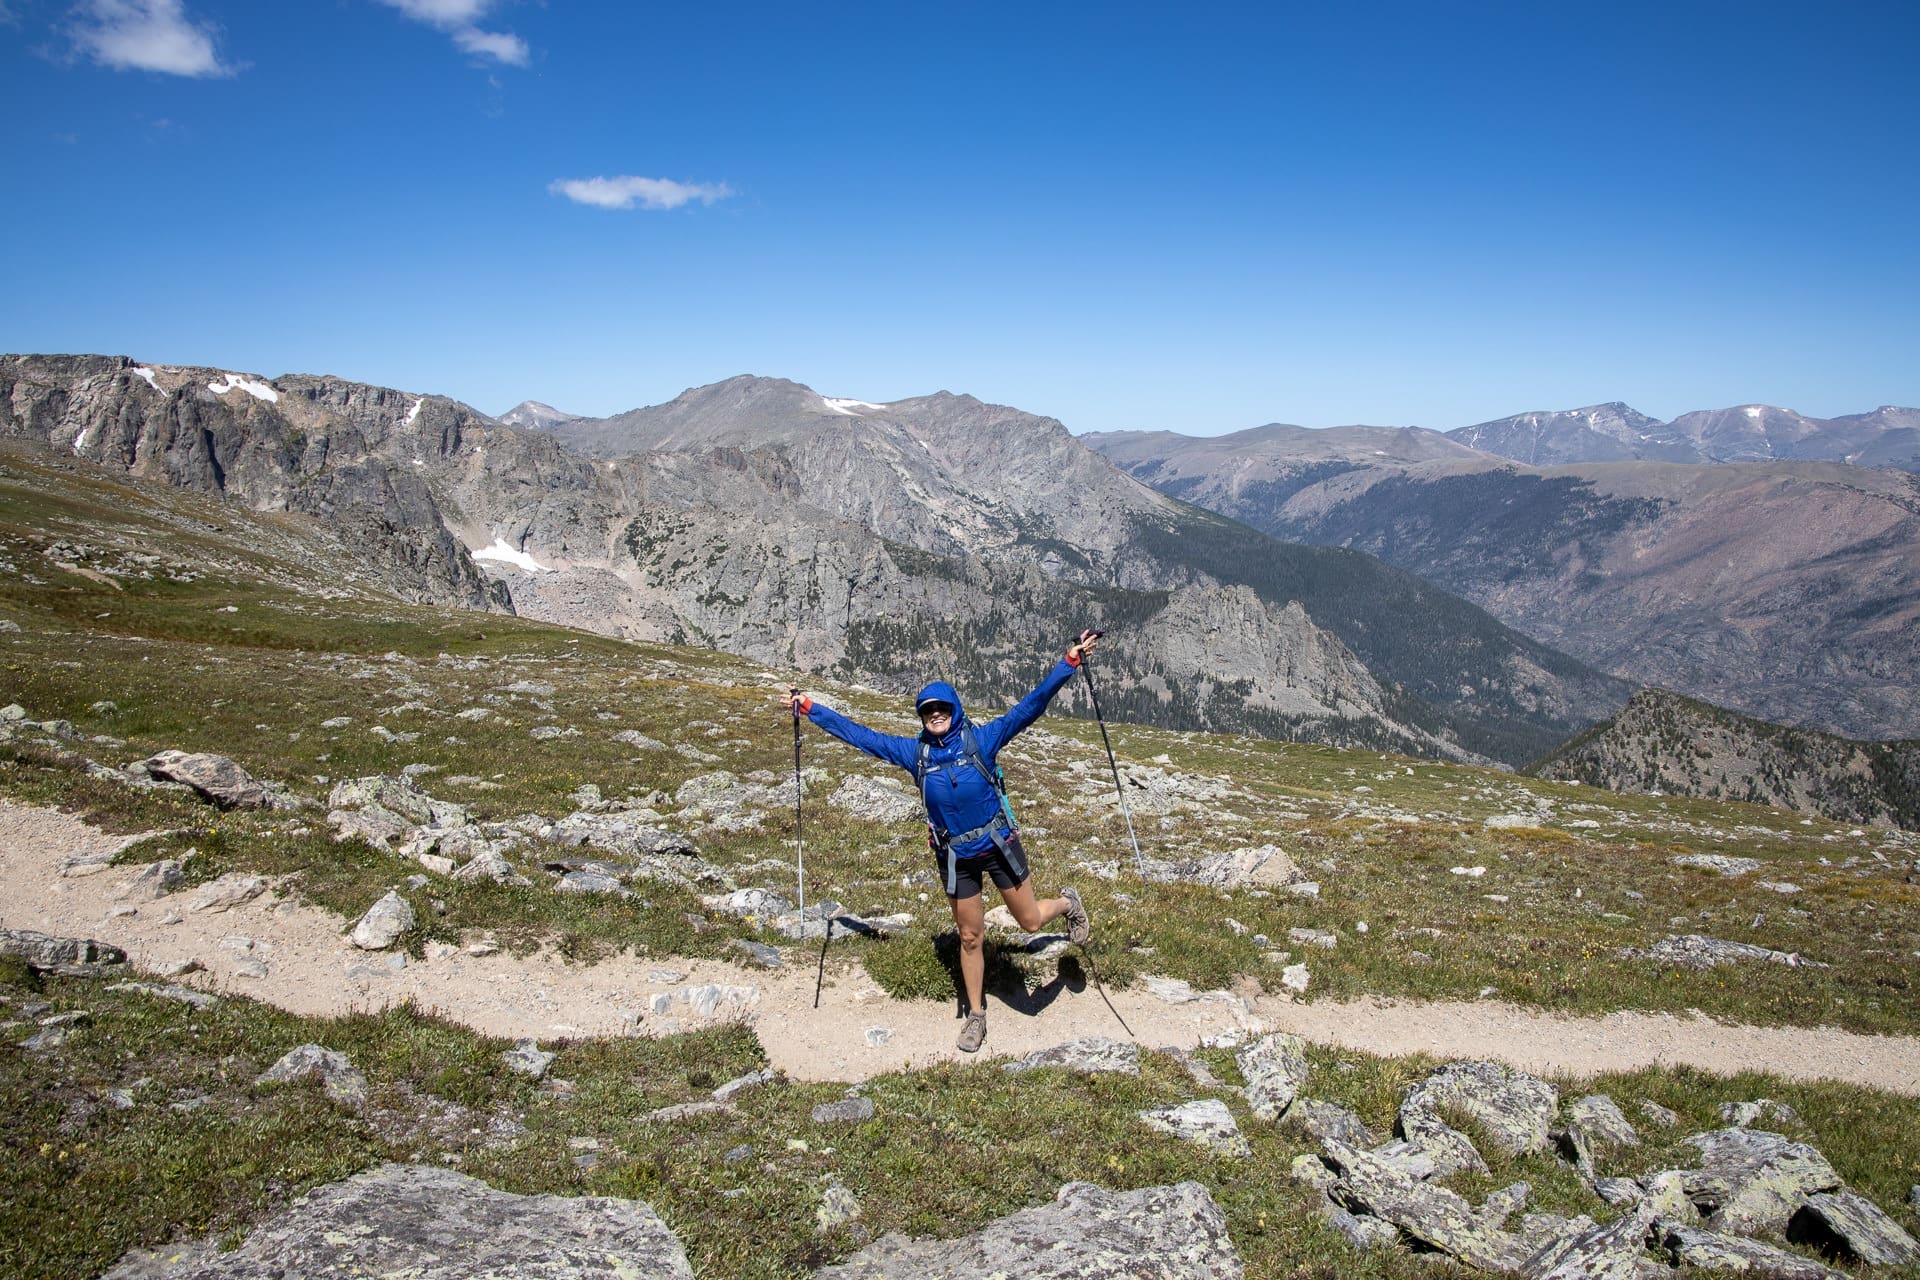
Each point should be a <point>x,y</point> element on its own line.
<point>648,193</point>
<point>147,35</point>
<point>460,20</point>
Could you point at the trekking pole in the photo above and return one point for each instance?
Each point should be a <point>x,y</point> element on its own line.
<point>1101,987</point>
<point>799,827</point>
<point>820,974</point>
<point>1086,669</point>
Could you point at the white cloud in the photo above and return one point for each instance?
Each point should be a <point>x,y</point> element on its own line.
<point>147,35</point>
<point>648,193</point>
<point>458,18</point>
<point>499,45</point>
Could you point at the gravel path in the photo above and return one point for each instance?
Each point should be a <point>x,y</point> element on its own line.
<point>857,1031</point>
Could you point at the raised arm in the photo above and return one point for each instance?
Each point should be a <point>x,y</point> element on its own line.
<point>882,746</point>
<point>995,734</point>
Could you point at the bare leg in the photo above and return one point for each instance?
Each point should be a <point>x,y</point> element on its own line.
<point>1029,912</point>
<point>970,918</point>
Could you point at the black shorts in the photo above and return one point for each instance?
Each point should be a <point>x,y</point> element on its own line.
<point>1008,869</point>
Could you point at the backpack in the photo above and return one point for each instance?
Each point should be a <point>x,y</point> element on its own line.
<point>996,778</point>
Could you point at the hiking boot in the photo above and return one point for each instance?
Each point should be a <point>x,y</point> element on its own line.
<point>974,1034</point>
<point>1079,923</point>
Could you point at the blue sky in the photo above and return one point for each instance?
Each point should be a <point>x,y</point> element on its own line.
<point>1199,217</point>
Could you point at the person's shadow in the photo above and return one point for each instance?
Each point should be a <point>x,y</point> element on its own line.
<point>1005,980</point>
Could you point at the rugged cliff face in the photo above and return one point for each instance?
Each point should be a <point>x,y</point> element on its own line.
<point>1787,590</point>
<point>1664,742</point>
<point>890,543</point>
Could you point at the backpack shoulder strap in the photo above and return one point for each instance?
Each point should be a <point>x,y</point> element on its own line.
<point>971,746</point>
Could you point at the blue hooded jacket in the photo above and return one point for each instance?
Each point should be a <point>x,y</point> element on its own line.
<point>958,798</point>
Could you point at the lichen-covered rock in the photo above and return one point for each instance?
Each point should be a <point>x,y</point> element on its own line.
<point>383,923</point>
<point>1504,1203</point>
<point>1362,1232</point>
<point>1433,1215</point>
<point>75,957</point>
<point>1089,1055</point>
<point>1743,1115</point>
<point>1753,1181</point>
<point>1516,1109</point>
<point>399,795</point>
<point>214,778</point>
<point>846,1111</point>
<point>1657,1114</point>
<point>1601,1121</point>
<point>838,1206</point>
<point>342,1081</point>
<point>1154,1233</point>
<point>1691,1246</point>
<point>1275,1068</point>
<point>875,800</point>
<point>1266,865</point>
<point>1313,1171</point>
<point>1851,1226</point>
<point>1318,1120</point>
<point>528,1058</point>
<point>1611,1251</point>
<point>414,1220</point>
<point>1717,862</point>
<point>1698,951</point>
<point>1445,1149</point>
<point>1667,1193</point>
<point>1206,1122</point>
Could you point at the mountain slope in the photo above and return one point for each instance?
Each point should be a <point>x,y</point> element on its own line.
<point>1663,742</point>
<point>1786,590</point>
<point>937,535</point>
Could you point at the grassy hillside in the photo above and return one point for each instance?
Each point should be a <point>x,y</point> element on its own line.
<point>152,619</point>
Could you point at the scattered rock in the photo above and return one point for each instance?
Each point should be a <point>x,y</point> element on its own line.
<point>1850,1226</point>
<point>1745,1114</point>
<point>1611,1251</point>
<point>740,1084</point>
<point>875,800</point>
<point>760,953</point>
<point>1514,1108</point>
<point>1667,1193</point>
<point>1322,1120</point>
<point>690,1111</point>
<point>845,1111</point>
<point>1752,1181</point>
<point>1362,1232</point>
<point>490,864</point>
<point>588,882</point>
<point>423,1221</point>
<point>1206,1122</point>
<point>227,892</point>
<point>1657,1114</point>
<point>1691,1246</point>
<point>639,741</point>
<point>74,957</point>
<point>342,1081</point>
<point>1313,1171</point>
<point>1599,1120</point>
<point>1504,1203</point>
<point>1266,866</point>
<point>154,881</point>
<point>1697,951</point>
<point>1088,1055</point>
<point>383,923</point>
<point>185,995</point>
<point>527,1058</point>
<point>1719,862</point>
<point>1295,977</point>
<point>214,778</point>
<point>1275,1069</point>
<point>1088,1233</point>
<point>838,1206</point>
<point>1432,1215</point>
<point>1313,938</point>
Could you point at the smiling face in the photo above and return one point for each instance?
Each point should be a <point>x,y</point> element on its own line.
<point>936,718</point>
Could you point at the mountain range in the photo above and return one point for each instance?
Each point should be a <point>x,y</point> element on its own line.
<point>1887,437</point>
<point>1786,590</point>
<point>935,536</point>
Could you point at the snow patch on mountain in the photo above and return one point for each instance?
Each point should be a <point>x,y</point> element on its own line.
<point>510,555</point>
<point>252,386</point>
<point>852,408</point>
<point>141,371</point>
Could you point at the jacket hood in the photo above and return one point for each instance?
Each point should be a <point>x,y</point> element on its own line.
<point>941,691</point>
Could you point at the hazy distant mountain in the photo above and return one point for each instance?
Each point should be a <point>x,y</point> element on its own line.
<point>1664,742</point>
<point>1789,590</point>
<point>888,543</point>
<point>1887,437</point>
<point>534,416</point>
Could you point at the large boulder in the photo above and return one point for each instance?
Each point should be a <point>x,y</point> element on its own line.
<point>397,795</point>
<point>1751,1181</point>
<point>415,1220</point>
<point>874,800</point>
<point>1088,1233</point>
<point>1610,1251</point>
<point>214,778</point>
<point>383,924</point>
<point>1853,1227</point>
<point>1693,1246</point>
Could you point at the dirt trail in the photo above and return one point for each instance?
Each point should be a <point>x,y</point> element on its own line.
<point>312,969</point>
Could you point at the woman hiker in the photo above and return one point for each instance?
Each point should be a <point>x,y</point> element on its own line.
<point>969,825</point>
